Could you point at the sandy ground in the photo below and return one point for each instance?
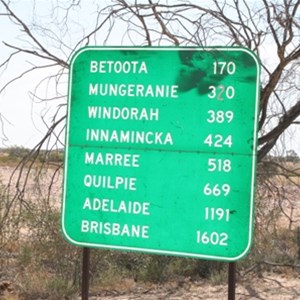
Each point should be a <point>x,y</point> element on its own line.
<point>269,287</point>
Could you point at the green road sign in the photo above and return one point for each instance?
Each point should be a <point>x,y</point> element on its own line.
<point>160,150</point>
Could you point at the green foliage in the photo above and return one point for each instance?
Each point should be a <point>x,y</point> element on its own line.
<point>292,156</point>
<point>18,152</point>
<point>39,285</point>
<point>115,265</point>
<point>55,156</point>
<point>25,256</point>
<point>60,289</point>
<point>155,269</point>
<point>267,169</point>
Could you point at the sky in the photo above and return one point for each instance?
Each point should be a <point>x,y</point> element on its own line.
<point>21,125</point>
<point>24,119</point>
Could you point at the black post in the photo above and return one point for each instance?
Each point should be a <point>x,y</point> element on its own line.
<point>85,273</point>
<point>231,281</point>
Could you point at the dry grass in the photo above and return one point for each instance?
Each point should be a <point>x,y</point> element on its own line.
<point>278,216</point>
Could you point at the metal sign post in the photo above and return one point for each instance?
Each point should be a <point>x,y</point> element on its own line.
<point>231,280</point>
<point>85,280</point>
<point>160,150</point>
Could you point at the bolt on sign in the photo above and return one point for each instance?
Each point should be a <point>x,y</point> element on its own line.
<point>161,150</point>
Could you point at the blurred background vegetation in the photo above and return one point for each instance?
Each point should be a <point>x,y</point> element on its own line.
<point>35,258</point>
